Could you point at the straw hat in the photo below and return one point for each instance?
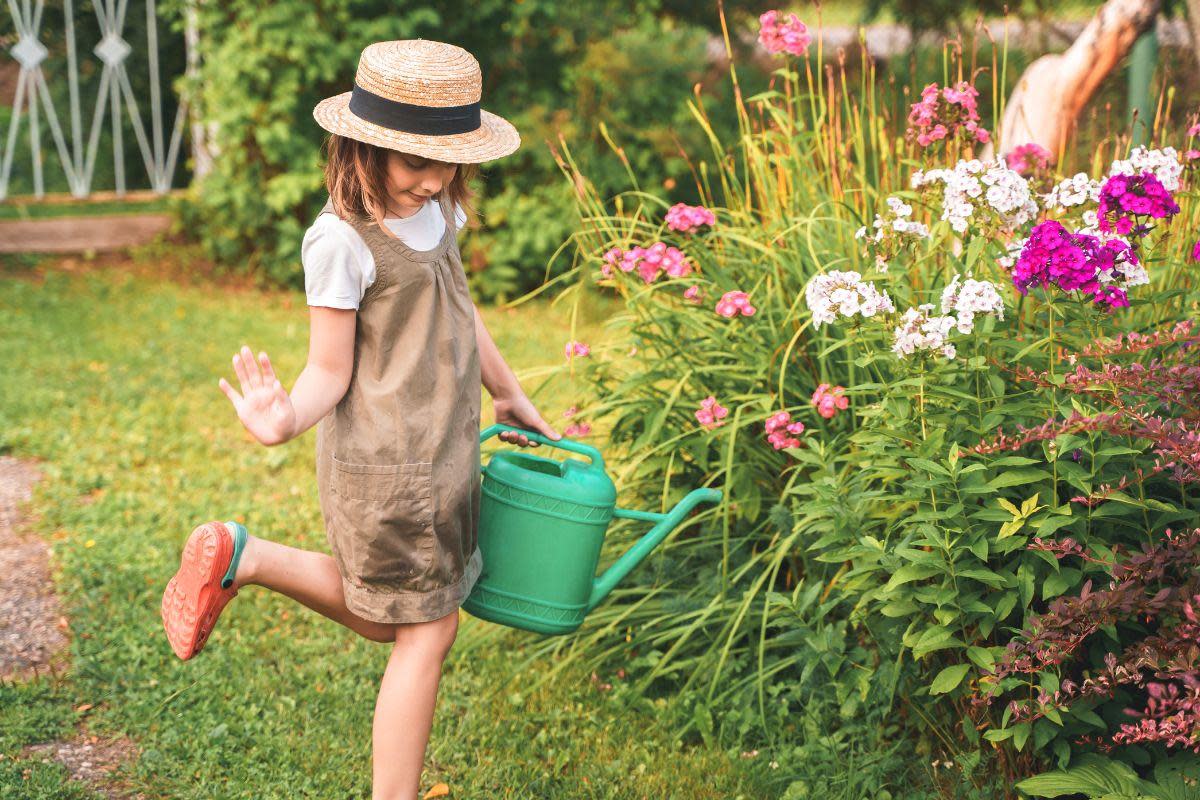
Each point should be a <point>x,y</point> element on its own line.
<point>422,97</point>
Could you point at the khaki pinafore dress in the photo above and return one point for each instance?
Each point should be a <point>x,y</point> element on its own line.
<point>398,457</point>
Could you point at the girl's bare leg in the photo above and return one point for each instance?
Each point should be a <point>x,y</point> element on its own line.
<point>408,691</point>
<point>307,577</point>
<point>404,709</point>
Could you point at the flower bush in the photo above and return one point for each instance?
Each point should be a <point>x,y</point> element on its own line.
<point>951,440</point>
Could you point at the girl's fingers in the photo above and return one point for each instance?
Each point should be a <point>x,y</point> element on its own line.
<point>233,396</point>
<point>268,371</point>
<point>240,370</point>
<point>252,371</point>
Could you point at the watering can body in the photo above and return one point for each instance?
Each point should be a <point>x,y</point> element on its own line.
<point>541,529</point>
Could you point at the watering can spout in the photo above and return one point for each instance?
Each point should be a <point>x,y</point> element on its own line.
<point>665,523</point>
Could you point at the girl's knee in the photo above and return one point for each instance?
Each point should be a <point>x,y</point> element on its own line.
<point>436,635</point>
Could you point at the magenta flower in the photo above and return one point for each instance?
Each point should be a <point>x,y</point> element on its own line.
<point>1028,158</point>
<point>684,218</point>
<point>830,399</point>
<point>1196,251</point>
<point>1194,130</point>
<point>575,348</point>
<point>1053,256</point>
<point>733,303</point>
<point>710,413</point>
<point>693,294</point>
<point>778,426</point>
<point>946,113</point>
<point>1125,198</point>
<point>789,35</point>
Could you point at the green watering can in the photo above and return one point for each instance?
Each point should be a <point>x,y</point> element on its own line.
<point>541,527</point>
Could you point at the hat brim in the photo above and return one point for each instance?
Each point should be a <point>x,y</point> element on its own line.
<point>494,138</point>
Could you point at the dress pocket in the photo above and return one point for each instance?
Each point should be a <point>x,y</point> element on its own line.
<point>385,522</point>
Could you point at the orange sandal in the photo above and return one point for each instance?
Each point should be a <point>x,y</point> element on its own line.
<point>195,597</point>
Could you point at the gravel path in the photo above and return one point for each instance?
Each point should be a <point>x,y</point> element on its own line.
<point>32,628</point>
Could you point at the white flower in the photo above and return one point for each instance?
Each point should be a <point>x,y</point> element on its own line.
<point>919,329</point>
<point>1001,190</point>
<point>970,297</point>
<point>835,294</point>
<point>1073,191</point>
<point>899,220</point>
<point>1164,163</point>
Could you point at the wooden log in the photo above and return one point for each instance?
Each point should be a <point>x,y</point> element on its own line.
<point>1047,100</point>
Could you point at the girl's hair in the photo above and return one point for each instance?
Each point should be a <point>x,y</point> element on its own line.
<point>356,177</point>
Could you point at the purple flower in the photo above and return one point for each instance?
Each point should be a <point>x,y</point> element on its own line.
<point>1123,198</point>
<point>1196,251</point>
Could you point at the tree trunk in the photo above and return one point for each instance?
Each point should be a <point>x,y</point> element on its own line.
<point>1050,95</point>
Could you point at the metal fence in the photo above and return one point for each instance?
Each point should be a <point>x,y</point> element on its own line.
<point>114,104</point>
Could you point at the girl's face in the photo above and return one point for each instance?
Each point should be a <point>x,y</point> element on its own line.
<point>412,179</point>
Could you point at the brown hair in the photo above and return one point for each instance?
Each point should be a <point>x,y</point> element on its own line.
<point>356,177</point>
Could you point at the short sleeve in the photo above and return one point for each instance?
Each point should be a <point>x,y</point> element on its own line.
<point>333,270</point>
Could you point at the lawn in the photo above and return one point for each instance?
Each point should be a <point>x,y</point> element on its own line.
<point>110,379</point>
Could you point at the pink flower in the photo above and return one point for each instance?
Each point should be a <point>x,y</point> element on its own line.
<point>778,426</point>
<point>733,303</point>
<point>1191,155</point>
<point>686,218</point>
<point>1194,130</point>
<point>692,294</point>
<point>946,113</point>
<point>570,412</point>
<point>710,413</point>
<point>789,36</point>
<point>1028,158</point>
<point>1196,251</point>
<point>649,262</point>
<point>830,400</point>
<point>575,348</point>
<point>577,429</point>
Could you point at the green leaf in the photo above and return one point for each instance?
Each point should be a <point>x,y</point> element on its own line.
<point>1092,776</point>
<point>911,572</point>
<point>1018,477</point>
<point>949,678</point>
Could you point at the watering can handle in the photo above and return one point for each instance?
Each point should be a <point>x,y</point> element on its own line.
<point>562,444</point>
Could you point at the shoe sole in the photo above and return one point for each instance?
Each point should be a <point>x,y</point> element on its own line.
<point>194,598</point>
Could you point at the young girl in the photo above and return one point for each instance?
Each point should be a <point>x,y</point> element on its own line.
<point>397,353</point>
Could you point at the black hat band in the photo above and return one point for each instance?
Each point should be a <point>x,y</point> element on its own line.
<point>409,118</point>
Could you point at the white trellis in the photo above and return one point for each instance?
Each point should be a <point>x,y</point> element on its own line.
<point>114,95</point>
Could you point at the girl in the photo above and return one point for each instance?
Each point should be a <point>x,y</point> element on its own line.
<point>397,353</point>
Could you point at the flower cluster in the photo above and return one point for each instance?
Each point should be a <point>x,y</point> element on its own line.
<point>829,400</point>
<point>778,35</point>
<point>684,218</point>
<point>1071,192</point>
<point>575,348</point>
<point>976,185</point>
<point>845,294</point>
<point>921,329</point>
<point>899,221</point>
<point>1053,256</point>
<point>1125,198</point>
<point>966,299</point>
<point>779,425</point>
<point>733,303</point>
<point>945,114</point>
<point>650,262</point>
<point>1164,163</point>
<point>1028,159</point>
<point>710,413</point>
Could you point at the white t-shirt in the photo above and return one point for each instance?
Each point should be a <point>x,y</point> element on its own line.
<point>338,265</point>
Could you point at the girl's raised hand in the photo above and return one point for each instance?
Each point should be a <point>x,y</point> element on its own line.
<point>263,406</point>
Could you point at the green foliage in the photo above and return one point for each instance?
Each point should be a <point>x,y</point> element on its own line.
<point>917,547</point>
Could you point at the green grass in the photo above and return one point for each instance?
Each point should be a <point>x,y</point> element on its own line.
<point>111,379</point>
